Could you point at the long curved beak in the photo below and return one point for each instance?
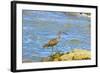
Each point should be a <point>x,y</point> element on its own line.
<point>65,33</point>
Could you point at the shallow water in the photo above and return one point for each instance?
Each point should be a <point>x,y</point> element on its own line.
<point>41,26</point>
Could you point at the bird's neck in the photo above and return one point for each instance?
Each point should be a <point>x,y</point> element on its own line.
<point>59,37</point>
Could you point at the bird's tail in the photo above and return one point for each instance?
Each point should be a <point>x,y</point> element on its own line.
<point>45,46</point>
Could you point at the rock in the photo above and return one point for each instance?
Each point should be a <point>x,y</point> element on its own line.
<point>77,54</point>
<point>80,54</point>
<point>67,57</point>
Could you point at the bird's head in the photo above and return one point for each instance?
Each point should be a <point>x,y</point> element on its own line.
<point>60,33</point>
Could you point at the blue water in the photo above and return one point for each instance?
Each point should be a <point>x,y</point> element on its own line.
<point>41,26</point>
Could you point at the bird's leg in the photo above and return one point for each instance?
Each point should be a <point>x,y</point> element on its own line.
<point>56,50</point>
<point>52,50</point>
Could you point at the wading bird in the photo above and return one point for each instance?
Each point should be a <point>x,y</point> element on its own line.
<point>53,42</point>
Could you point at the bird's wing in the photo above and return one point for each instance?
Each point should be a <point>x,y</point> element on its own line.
<point>53,41</point>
